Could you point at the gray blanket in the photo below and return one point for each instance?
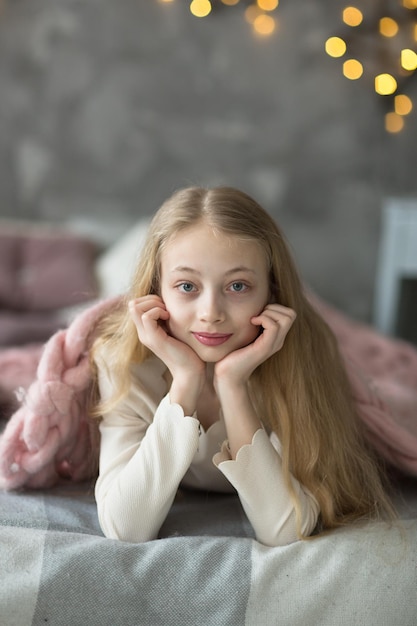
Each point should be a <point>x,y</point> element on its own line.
<point>56,568</point>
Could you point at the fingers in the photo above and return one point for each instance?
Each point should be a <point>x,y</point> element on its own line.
<point>148,307</point>
<point>276,321</point>
<point>146,313</point>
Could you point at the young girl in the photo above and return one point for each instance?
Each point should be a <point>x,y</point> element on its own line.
<point>217,374</point>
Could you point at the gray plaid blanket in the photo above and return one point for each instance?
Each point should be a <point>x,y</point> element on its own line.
<point>56,568</point>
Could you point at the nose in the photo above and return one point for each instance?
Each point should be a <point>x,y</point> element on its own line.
<point>211,308</point>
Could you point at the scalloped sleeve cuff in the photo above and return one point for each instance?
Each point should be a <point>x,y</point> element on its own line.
<point>257,476</point>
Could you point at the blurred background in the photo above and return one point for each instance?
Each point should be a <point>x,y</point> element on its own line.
<point>108,106</point>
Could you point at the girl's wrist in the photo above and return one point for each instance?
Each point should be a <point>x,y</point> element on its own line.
<point>233,395</point>
<point>185,392</point>
<point>231,386</point>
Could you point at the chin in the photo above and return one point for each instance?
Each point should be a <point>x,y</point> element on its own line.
<point>211,355</point>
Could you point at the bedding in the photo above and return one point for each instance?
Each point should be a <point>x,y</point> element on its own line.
<point>205,568</point>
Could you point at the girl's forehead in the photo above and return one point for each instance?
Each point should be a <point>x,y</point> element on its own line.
<point>202,243</point>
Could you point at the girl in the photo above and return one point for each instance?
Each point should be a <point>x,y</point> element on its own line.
<point>217,374</point>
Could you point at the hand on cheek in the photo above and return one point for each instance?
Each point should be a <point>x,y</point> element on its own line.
<point>274,324</point>
<point>151,319</point>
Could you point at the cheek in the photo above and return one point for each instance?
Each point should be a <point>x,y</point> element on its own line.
<point>176,317</point>
<point>252,332</point>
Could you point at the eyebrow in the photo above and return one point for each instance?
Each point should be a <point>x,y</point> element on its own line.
<point>234,270</point>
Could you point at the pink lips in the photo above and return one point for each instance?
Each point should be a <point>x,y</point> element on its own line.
<point>211,339</point>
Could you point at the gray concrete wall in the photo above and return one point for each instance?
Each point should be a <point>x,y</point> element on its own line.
<point>107,106</point>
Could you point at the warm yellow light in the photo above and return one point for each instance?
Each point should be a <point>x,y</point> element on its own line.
<point>200,8</point>
<point>352,69</point>
<point>388,27</point>
<point>415,32</point>
<point>335,47</point>
<point>402,104</point>
<point>394,123</point>
<point>267,5</point>
<point>251,13</point>
<point>408,59</point>
<point>166,1</point>
<point>264,24</point>
<point>410,4</point>
<point>230,3</point>
<point>385,84</point>
<point>352,16</point>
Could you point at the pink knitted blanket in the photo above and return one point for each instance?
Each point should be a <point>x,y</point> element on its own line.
<point>50,435</point>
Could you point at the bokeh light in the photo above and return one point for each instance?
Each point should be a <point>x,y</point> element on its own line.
<point>408,59</point>
<point>335,47</point>
<point>200,8</point>
<point>394,123</point>
<point>352,69</point>
<point>402,104</point>
<point>388,27</point>
<point>352,16</point>
<point>268,5</point>
<point>385,84</point>
<point>264,24</point>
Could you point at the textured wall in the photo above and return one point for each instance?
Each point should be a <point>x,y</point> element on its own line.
<point>106,106</point>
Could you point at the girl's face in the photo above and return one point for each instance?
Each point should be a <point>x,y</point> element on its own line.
<point>212,284</point>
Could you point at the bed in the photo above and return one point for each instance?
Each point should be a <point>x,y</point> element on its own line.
<point>206,568</point>
<point>57,568</point>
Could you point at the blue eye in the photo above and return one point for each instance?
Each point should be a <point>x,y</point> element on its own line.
<point>238,287</point>
<point>186,287</point>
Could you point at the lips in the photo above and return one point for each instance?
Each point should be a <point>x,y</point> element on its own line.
<point>211,339</point>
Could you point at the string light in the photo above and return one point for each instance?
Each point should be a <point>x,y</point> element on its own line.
<point>394,123</point>
<point>396,59</point>
<point>264,24</point>
<point>402,104</point>
<point>408,59</point>
<point>388,27</point>
<point>259,14</point>
<point>385,84</point>
<point>352,69</point>
<point>267,5</point>
<point>335,47</point>
<point>352,16</point>
<point>200,8</point>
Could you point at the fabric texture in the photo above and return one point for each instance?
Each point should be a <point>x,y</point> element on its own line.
<point>205,568</point>
<point>50,434</point>
<point>383,375</point>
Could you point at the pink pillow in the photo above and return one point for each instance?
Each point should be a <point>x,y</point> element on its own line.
<point>44,268</point>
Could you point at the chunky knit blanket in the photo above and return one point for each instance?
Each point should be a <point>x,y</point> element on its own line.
<point>51,436</point>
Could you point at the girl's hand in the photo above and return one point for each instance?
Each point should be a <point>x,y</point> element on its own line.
<point>149,315</point>
<point>237,367</point>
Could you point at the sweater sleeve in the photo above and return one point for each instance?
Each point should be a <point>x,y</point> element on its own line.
<point>143,458</point>
<point>257,476</point>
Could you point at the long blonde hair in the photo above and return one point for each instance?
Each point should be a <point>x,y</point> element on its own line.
<point>301,393</point>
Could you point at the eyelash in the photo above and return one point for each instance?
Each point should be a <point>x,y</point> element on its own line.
<point>180,285</point>
<point>240,282</point>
